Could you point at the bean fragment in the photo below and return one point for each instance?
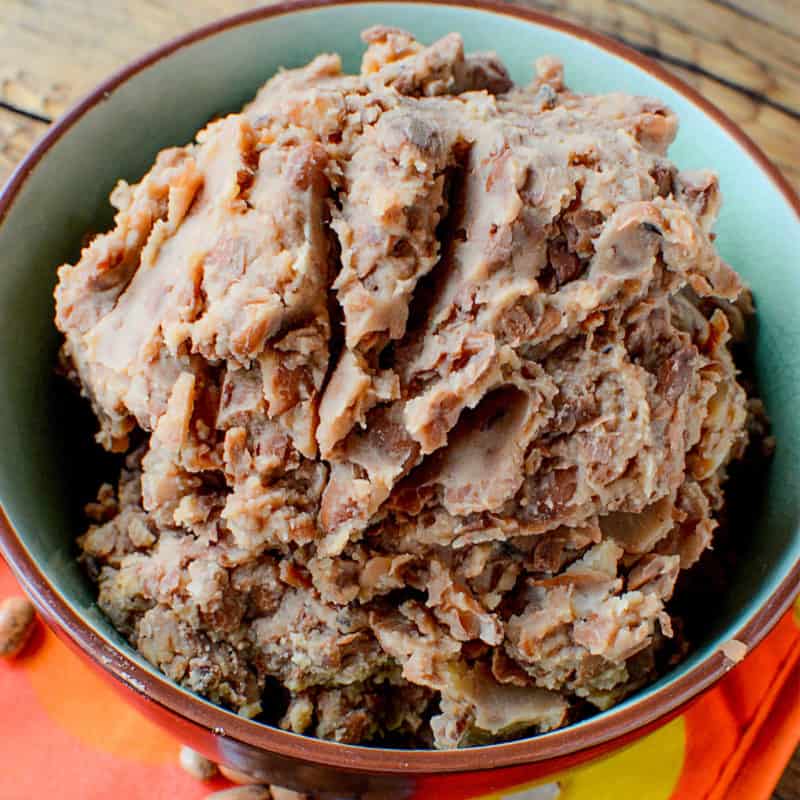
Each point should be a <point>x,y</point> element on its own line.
<point>17,617</point>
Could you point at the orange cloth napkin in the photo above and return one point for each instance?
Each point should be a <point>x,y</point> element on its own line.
<point>67,734</point>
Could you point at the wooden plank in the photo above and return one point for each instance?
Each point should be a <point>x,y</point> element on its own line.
<point>50,57</point>
<point>774,131</point>
<point>76,43</point>
<point>17,136</point>
<point>751,54</point>
<point>781,14</point>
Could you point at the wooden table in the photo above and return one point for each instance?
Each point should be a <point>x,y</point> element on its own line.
<point>743,56</point>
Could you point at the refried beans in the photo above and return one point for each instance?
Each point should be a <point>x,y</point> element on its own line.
<point>424,388</point>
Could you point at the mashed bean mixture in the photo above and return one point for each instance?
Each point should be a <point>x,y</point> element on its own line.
<point>424,385</point>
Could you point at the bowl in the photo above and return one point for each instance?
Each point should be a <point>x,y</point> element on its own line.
<point>49,467</point>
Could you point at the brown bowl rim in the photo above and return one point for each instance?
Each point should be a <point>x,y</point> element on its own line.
<point>218,721</point>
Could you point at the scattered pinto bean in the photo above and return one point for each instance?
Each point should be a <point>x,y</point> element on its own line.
<point>196,765</point>
<point>279,793</point>
<point>236,776</point>
<point>17,618</point>
<point>242,793</point>
<point>248,782</point>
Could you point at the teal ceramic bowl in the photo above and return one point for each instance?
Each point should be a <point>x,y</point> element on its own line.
<point>48,466</point>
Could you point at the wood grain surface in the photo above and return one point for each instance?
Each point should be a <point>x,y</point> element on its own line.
<point>743,56</point>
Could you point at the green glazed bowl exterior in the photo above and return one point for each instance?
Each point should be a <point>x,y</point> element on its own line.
<point>61,191</point>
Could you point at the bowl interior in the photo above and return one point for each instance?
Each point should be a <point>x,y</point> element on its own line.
<point>48,465</point>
